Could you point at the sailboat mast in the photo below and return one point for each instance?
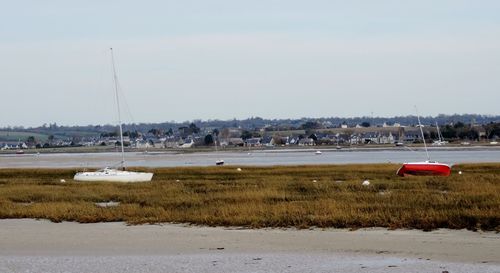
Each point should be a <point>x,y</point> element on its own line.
<point>422,132</point>
<point>115,81</point>
<point>439,132</point>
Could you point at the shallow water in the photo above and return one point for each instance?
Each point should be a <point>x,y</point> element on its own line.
<point>249,158</point>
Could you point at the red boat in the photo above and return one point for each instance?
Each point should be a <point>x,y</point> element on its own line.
<point>424,168</point>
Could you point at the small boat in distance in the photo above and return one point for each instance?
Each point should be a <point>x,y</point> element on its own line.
<point>318,153</point>
<point>427,167</point>
<point>109,174</point>
<point>219,162</point>
<point>440,141</point>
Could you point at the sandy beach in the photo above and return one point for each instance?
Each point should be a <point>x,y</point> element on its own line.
<point>28,245</point>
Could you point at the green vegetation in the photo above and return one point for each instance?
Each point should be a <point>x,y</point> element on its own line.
<point>297,196</point>
<point>22,136</point>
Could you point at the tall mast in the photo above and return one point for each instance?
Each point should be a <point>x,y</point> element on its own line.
<point>115,81</point>
<point>439,133</point>
<point>422,132</point>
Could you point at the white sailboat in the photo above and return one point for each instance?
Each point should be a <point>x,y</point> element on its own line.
<point>218,162</point>
<point>440,141</point>
<point>110,174</point>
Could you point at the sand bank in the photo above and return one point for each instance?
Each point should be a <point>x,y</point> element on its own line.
<point>41,246</point>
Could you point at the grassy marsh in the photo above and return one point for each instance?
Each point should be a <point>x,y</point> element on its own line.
<point>291,196</point>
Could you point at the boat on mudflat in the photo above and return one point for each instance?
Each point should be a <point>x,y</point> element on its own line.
<point>424,168</point>
<point>113,175</point>
<point>427,167</point>
<point>110,174</point>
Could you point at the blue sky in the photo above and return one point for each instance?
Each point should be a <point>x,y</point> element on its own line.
<point>185,60</point>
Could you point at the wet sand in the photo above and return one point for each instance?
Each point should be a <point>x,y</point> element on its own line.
<point>41,246</point>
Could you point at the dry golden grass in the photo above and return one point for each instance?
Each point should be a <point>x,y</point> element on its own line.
<point>265,197</point>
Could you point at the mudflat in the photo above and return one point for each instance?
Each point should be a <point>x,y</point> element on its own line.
<point>28,245</point>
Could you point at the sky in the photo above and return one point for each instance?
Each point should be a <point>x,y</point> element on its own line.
<point>225,59</point>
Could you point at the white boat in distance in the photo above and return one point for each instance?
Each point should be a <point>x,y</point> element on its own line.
<point>440,141</point>
<point>109,174</point>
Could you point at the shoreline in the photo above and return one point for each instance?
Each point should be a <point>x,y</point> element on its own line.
<point>211,249</point>
<point>278,149</point>
<point>278,157</point>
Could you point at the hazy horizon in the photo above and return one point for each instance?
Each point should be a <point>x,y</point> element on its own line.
<point>223,59</point>
<point>367,118</point>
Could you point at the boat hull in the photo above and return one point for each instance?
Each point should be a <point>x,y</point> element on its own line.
<point>113,176</point>
<point>424,168</point>
<point>219,162</point>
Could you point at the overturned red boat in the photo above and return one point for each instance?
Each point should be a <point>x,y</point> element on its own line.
<point>424,168</point>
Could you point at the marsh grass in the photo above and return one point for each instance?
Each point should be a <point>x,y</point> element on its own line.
<point>265,197</point>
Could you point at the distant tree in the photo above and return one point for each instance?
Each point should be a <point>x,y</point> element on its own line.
<point>170,132</point>
<point>311,125</point>
<point>194,129</point>
<point>314,137</point>
<point>449,132</point>
<point>110,134</point>
<point>224,133</point>
<point>492,129</point>
<point>365,124</point>
<point>133,134</point>
<point>459,125</point>
<point>469,133</point>
<point>53,126</point>
<point>215,132</point>
<point>256,134</point>
<point>51,139</point>
<point>246,134</point>
<point>278,140</point>
<point>155,132</point>
<point>209,140</point>
<point>30,141</point>
<point>434,135</point>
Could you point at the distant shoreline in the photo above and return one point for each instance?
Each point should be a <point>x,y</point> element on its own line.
<point>158,150</point>
<point>265,157</point>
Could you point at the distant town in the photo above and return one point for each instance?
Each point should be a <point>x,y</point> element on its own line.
<point>464,129</point>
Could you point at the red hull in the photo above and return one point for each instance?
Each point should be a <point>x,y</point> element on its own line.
<point>424,168</point>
